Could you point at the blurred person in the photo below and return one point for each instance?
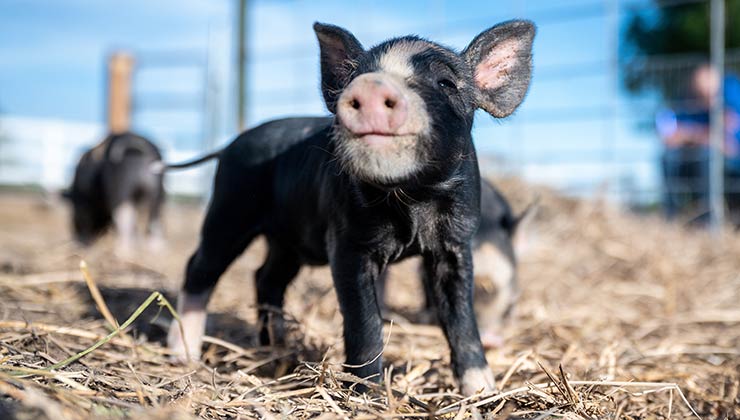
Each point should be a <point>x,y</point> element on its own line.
<point>685,135</point>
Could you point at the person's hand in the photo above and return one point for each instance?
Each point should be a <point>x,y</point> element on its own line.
<point>688,134</point>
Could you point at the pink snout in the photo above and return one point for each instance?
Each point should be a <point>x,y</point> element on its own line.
<point>371,104</point>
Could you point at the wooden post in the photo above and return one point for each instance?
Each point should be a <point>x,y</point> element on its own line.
<point>120,70</point>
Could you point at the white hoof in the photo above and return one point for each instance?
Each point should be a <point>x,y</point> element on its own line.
<point>477,380</point>
<point>156,244</point>
<point>182,350</point>
<point>191,309</point>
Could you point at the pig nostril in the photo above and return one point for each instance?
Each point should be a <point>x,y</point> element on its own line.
<point>390,103</point>
<point>355,104</point>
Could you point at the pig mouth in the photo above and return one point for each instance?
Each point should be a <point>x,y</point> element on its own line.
<point>374,136</point>
<point>380,138</point>
<point>377,156</point>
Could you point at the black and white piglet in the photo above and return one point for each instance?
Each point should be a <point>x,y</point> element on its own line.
<point>114,185</point>
<point>497,245</point>
<point>393,174</point>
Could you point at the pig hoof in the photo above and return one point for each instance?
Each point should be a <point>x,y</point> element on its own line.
<point>179,359</point>
<point>491,340</point>
<point>156,244</point>
<point>192,325</point>
<point>178,355</point>
<point>177,346</point>
<point>476,380</point>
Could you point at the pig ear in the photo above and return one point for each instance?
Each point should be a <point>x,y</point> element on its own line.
<point>339,52</point>
<point>501,59</point>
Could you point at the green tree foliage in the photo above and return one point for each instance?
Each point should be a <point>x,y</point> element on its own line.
<point>678,29</point>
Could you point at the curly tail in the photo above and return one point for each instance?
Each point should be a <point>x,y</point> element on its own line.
<point>160,167</point>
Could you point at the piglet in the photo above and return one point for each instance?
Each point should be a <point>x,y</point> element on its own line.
<point>391,174</point>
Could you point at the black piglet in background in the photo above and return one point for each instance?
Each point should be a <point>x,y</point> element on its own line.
<point>116,184</point>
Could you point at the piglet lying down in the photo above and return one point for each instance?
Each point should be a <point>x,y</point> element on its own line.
<point>392,174</point>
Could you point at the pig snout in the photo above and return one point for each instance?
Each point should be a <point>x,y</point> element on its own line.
<point>373,105</point>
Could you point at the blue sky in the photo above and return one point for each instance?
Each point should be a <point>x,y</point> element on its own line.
<point>52,52</point>
<point>52,62</point>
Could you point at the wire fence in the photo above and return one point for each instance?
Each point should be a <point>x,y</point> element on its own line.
<point>578,131</point>
<point>581,143</point>
<point>178,116</point>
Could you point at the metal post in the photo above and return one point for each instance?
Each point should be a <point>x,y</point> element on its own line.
<point>241,58</point>
<point>208,124</point>
<point>716,128</point>
<point>609,135</point>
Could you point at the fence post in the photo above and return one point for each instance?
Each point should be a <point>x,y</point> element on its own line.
<point>716,128</point>
<point>241,64</point>
<point>120,69</point>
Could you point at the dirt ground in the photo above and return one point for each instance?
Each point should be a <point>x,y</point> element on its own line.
<point>620,317</point>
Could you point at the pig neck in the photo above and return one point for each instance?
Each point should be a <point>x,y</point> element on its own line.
<point>435,180</point>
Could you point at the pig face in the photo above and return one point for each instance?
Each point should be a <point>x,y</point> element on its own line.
<point>88,222</point>
<point>404,108</point>
<point>90,218</point>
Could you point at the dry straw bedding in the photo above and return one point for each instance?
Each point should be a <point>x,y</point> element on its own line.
<point>621,316</point>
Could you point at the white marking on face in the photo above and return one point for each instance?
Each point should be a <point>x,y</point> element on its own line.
<point>397,60</point>
<point>192,311</point>
<point>477,380</point>
<point>495,277</point>
<point>398,157</point>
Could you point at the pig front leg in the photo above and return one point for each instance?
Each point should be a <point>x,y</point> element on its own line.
<point>354,274</point>
<point>450,274</point>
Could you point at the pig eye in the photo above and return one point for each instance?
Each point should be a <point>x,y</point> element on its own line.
<point>447,84</point>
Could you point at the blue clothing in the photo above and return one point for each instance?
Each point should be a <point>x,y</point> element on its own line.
<point>686,174</point>
<point>686,168</point>
<point>732,106</point>
<point>732,92</point>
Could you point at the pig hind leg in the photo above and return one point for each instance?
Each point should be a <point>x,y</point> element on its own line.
<point>231,223</point>
<point>280,267</point>
<point>134,196</point>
